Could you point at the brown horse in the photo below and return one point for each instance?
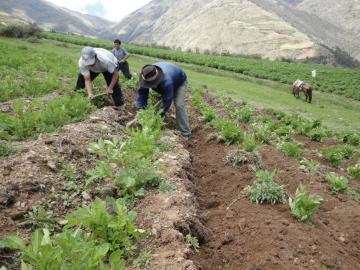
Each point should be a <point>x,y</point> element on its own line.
<point>300,86</point>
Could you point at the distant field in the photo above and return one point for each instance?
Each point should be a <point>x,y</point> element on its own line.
<point>339,81</point>
<point>35,69</point>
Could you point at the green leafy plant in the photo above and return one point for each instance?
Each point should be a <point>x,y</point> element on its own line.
<point>352,138</point>
<point>262,133</point>
<point>67,250</point>
<point>249,143</point>
<point>354,171</point>
<point>317,134</point>
<point>208,113</point>
<point>236,158</point>
<point>292,149</point>
<point>39,218</point>
<point>337,183</point>
<point>192,242</point>
<point>309,165</point>
<point>336,154</point>
<point>245,114</point>
<point>304,205</point>
<point>265,190</point>
<point>229,132</point>
<point>116,229</point>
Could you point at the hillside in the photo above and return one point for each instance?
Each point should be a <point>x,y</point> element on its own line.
<point>49,16</point>
<point>268,28</point>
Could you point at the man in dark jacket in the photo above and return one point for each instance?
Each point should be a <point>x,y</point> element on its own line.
<point>170,81</point>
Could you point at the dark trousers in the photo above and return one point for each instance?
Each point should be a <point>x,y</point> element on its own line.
<point>124,67</point>
<point>116,95</point>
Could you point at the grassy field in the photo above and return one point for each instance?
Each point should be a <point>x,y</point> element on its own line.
<point>335,111</point>
<point>56,62</point>
<point>329,79</point>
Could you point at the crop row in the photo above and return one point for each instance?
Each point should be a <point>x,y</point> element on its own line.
<point>329,79</point>
<point>264,129</point>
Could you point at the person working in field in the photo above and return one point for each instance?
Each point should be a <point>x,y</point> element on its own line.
<point>94,61</point>
<point>122,55</point>
<point>170,81</point>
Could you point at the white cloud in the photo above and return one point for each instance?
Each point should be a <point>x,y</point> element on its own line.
<point>115,10</point>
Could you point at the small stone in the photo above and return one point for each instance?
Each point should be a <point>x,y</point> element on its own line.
<point>63,222</point>
<point>51,164</point>
<point>86,196</point>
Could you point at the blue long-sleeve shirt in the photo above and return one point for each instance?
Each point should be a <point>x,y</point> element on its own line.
<point>174,77</point>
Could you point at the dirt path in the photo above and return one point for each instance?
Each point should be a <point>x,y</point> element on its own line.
<point>249,236</point>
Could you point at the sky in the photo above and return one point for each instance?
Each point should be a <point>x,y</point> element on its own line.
<point>113,10</point>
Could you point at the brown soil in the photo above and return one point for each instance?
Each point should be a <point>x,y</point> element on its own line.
<point>244,235</point>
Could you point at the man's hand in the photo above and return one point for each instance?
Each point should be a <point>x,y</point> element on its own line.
<point>109,91</point>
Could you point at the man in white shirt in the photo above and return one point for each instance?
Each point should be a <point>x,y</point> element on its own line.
<point>94,61</point>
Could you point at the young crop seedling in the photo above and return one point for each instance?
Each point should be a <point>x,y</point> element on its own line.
<point>249,143</point>
<point>265,190</point>
<point>304,205</point>
<point>354,171</point>
<point>192,242</point>
<point>292,149</point>
<point>5,149</point>
<point>337,184</point>
<point>352,138</point>
<point>229,132</point>
<point>39,218</point>
<point>309,165</point>
<point>208,114</point>
<point>117,229</point>
<point>236,158</point>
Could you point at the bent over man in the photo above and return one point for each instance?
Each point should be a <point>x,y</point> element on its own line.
<point>94,61</point>
<point>170,81</point>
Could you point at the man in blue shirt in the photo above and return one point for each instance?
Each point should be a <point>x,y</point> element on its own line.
<point>170,82</point>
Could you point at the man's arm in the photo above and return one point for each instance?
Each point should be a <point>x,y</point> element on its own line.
<point>114,79</point>
<point>167,97</point>
<point>142,98</point>
<point>89,86</point>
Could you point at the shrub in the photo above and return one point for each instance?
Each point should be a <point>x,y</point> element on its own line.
<point>236,158</point>
<point>354,171</point>
<point>262,133</point>
<point>265,190</point>
<point>292,149</point>
<point>337,183</point>
<point>245,114</point>
<point>20,31</point>
<point>304,206</point>
<point>316,134</point>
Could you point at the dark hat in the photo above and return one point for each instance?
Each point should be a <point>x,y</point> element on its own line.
<point>151,76</point>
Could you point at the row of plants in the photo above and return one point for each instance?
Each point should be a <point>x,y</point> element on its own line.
<point>329,79</point>
<point>266,130</point>
<point>35,117</point>
<point>102,235</point>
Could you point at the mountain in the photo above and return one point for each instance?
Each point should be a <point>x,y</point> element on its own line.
<point>50,16</point>
<point>268,28</point>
